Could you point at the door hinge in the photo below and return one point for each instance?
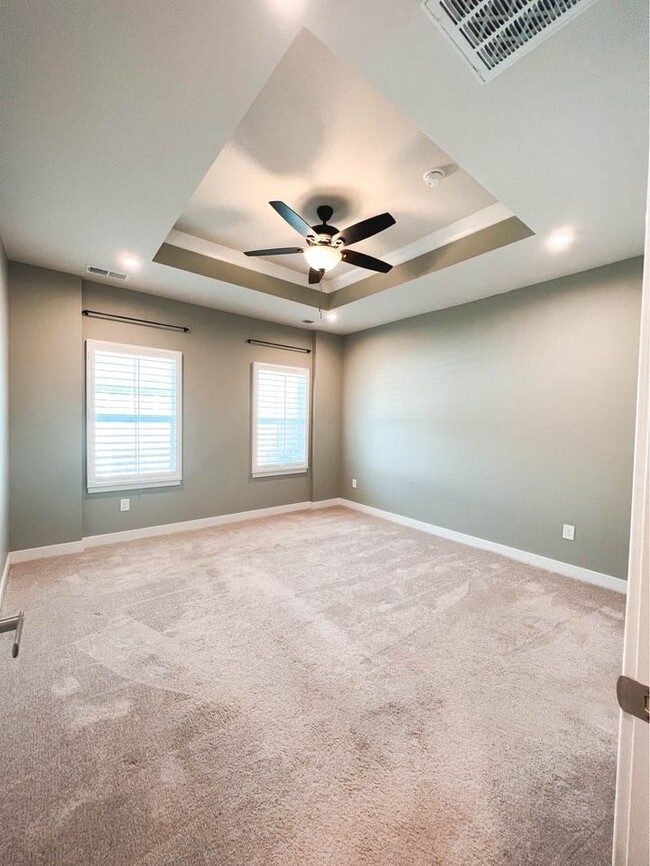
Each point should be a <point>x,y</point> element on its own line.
<point>633,698</point>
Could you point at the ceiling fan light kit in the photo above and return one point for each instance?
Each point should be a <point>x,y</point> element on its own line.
<point>322,257</point>
<point>326,245</point>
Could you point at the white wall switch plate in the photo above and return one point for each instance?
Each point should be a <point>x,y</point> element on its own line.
<point>354,482</point>
<point>125,504</point>
<point>568,532</point>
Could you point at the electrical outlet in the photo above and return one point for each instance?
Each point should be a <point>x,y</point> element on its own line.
<point>568,532</point>
<point>125,504</point>
<point>354,482</point>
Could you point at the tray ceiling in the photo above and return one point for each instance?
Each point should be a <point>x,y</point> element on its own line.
<point>319,134</point>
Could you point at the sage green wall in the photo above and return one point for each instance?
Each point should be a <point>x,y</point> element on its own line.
<point>4,412</point>
<point>45,364</point>
<point>505,418</point>
<point>327,433</point>
<point>49,502</point>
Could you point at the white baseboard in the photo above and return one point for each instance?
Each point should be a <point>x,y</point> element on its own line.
<point>327,503</point>
<point>3,579</point>
<point>554,565</point>
<point>162,529</point>
<point>191,525</point>
<point>46,551</point>
<point>534,559</point>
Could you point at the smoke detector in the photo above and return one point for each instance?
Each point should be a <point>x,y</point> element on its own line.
<point>433,176</point>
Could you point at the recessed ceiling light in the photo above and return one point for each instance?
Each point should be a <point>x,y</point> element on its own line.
<point>560,240</point>
<point>332,317</point>
<point>287,8</point>
<point>130,262</point>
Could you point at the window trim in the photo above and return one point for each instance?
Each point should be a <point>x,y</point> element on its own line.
<point>92,346</point>
<point>290,468</point>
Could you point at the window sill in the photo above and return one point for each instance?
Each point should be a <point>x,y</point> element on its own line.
<point>269,473</point>
<point>123,486</point>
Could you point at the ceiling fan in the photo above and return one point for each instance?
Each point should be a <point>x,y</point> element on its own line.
<point>326,245</point>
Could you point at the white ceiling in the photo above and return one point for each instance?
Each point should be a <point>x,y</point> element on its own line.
<point>113,113</point>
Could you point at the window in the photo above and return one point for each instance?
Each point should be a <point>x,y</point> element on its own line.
<point>280,419</point>
<point>133,403</point>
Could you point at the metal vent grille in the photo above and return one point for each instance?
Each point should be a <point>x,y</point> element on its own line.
<point>104,272</point>
<point>492,34</point>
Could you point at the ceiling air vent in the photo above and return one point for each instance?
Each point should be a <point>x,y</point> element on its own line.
<point>104,272</point>
<point>493,34</point>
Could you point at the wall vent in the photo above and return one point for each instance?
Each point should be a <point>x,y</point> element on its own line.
<point>104,272</point>
<point>493,34</point>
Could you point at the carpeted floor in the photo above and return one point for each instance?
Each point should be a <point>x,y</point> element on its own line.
<point>316,688</point>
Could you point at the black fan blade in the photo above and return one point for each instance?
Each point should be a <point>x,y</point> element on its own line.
<point>365,229</point>
<point>361,260</point>
<point>315,276</point>
<point>295,220</point>
<point>281,251</point>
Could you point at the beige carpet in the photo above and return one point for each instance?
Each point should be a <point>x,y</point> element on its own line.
<point>316,688</point>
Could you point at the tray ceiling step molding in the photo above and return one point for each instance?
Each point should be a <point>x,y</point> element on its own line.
<point>492,34</point>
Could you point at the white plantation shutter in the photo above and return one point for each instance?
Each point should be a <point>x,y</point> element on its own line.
<point>280,419</point>
<point>133,402</point>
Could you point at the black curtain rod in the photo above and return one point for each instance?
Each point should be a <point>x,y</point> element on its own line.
<point>96,314</point>
<point>279,346</point>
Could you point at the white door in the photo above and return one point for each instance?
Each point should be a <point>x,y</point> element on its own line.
<point>632,817</point>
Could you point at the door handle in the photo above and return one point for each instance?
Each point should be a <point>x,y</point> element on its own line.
<point>13,623</point>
